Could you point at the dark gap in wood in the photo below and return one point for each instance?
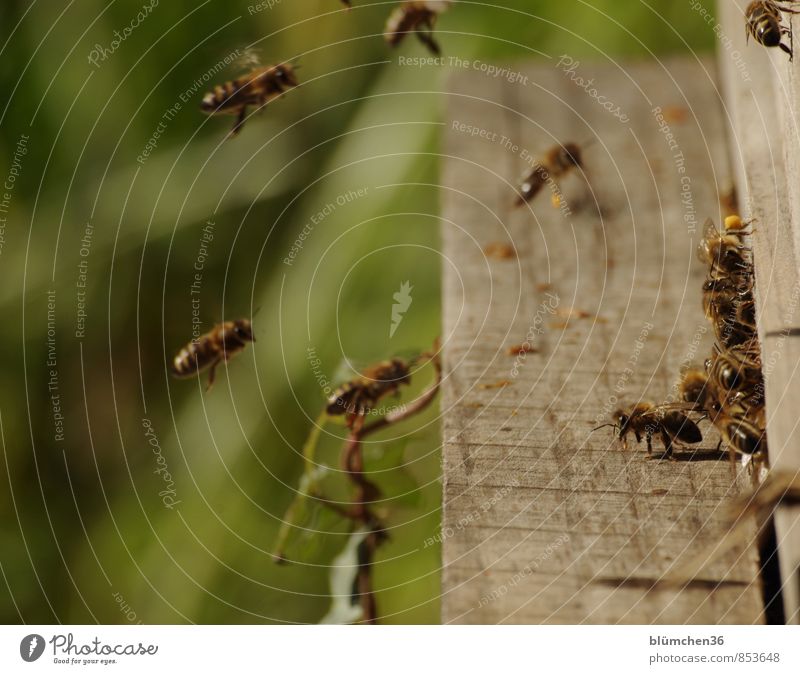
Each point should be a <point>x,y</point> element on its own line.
<point>770,570</point>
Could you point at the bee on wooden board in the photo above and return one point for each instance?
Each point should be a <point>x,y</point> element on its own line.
<point>209,350</point>
<point>256,88</point>
<point>555,164</point>
<point>362,394</point>
<point>730,308</point>
<point>724,252</point>
<point>740,434</point>
<point>764,24</point>
<point>695,389</point>
<point>645,420</point>
<point>731,374</point>
<point>418,17</point>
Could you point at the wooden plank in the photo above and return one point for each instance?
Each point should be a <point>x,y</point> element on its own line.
<point>762,101</point>
<point>538,513</point>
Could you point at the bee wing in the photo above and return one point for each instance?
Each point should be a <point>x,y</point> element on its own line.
<point>673,407</point>
<point>346,371</point>
<point>710,233</point>
<point>438,6</point>
<point>410,356</point>
<point>710,230</point>
<point>249,58</point>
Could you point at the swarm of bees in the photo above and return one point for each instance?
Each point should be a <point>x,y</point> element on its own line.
<point>729,389</point>
<point>219,345</point>
<point>418,17</point>
<point>262,84</point>
<point>764,24</point>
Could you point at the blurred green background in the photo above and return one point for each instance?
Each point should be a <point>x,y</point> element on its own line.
<point>85,534</point>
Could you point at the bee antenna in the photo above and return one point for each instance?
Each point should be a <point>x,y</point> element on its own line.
<point>603,426</point>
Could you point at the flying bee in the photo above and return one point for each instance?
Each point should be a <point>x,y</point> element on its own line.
<point>258,87</point>
<point>763,22</point>
<point>362,394</point>
<point>725,253</point>
<point>416,16</point>
<point>646,420</point>
<point>211,349</point>
<point>556,163</point>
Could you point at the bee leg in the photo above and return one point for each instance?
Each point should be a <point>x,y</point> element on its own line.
<point>426,37</point>
<point>211,375</point>
<point>237,127</point>
<point>667,440</point>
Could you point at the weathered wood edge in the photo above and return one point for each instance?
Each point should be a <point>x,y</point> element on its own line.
<point>762,101</point>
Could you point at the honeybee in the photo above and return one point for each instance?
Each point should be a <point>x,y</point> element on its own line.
<point>732,375</point>
<point>258,87</point>
<point>211,349</point>
<point>763,22</point>
<point>415,16</point>
<point>740,434</point>
<point>695,389</point>
<point>646,420</point>
<point>725,253</point>
<point>558,161</point>
<point>358,396</point>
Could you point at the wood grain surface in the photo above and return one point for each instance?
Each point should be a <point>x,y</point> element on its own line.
<point>543,519</point>
<point>762,101</point>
